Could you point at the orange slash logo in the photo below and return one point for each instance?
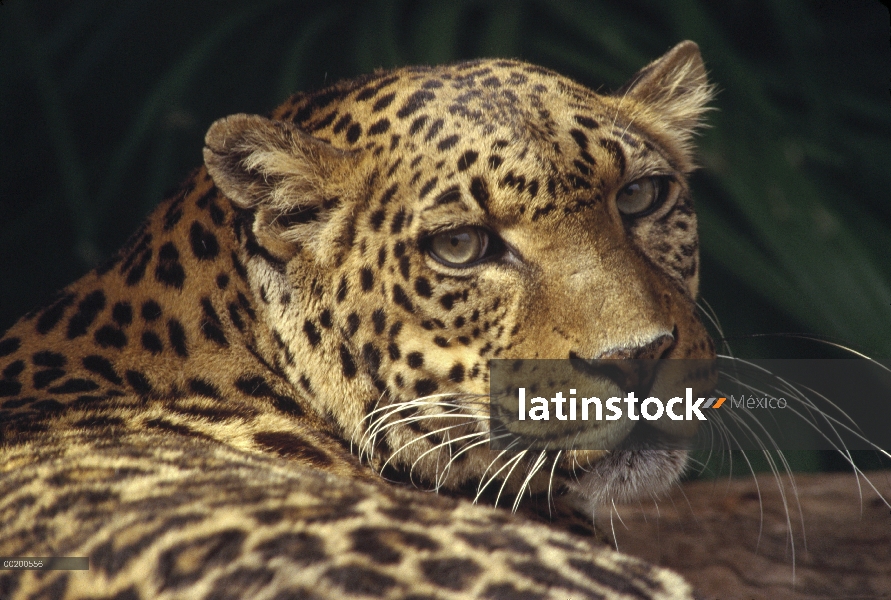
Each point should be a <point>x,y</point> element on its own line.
<point>714,403</point>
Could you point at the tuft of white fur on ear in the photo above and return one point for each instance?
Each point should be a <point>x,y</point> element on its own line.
<point>675,89</point>
<point>257,161</point>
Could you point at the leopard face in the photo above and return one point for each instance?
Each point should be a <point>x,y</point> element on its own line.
<point>335,279</point>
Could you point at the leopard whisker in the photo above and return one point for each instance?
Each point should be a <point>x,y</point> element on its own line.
<point>536,466</point>
<point>465,448</point>
<point>481,488</point>
<point>551,481</point>
<point>516,461</point>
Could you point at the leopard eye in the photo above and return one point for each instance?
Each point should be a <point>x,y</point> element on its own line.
<point>640,196</point>
<point>459,247</point>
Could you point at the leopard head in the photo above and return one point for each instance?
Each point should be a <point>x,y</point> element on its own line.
<point>423,221</point>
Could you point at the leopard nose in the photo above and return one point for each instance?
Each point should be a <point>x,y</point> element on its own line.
<point>638,376</point>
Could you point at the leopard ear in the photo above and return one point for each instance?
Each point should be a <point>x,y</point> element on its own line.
<point>258,162</point>
<point>675,87</point>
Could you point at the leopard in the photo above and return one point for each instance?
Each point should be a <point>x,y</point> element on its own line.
<point>278,387</point>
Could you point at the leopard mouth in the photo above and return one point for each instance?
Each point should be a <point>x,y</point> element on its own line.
<point>644,465</point>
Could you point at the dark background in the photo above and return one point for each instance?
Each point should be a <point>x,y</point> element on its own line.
<point>104,105</point>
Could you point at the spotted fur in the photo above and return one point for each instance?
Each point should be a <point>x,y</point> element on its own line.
<point>192,414</point>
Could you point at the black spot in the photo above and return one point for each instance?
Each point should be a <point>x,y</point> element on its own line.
<point>422,287</point>
<point>9,345</point>
<point>13,369</point>
<point>379,320</point>
<point>453,194</point>
<point>87,310</point>
<point>222,281</point>
<point>306,383</point>
<point>255,387</point>
<point>425,387</point>
<point>376,219</point>
<point>48,405</point>
<point>450,573</point>
<point>495,161</point>
<point>342,122</point>
<point>586,122</point>
<point>204,555</point>
<point>288,445</point>
<point>379,127</point>
<point>400,298</point>
<point>235,316</point>
<point>75,386</point>
<point>366,278</point>
<point>138,381</point>
<point>246,306</point>
<point>404,267</point>
<point>214,333</point>
<point>414,103</point>
<point>417,124</point>
<point>137,272</point>
<point>383,102</point>
<point>101,366</point>
<point>353,133</point>
<point>300,547</point>
<point>415,360</point>
<point>176,333</point>
<point>617,153</point>
<point>325,318</point>
<point>388,195</point>
<point>151,311</point>
<point>398,220</point>
<point>456,373</point>
<point>425,189</point>
<point>434,130</point>
<point>393,351</point>
<point>507,591</point>
<point>377,545</point>
<point>353,322</point>
<point>467,159</point>
<point>480,192</point>
<point>312,333</point>
<point>51,316</point>
<point>347,362</point>
<point>10,388</point>
<point>122,313</point>
<point>169,270</point>
<point>44,378</point>
<point>216,214</point>
<point>372,357</point>
<point>46,358</point>
<point>398,249</point>
<point>204,243</point>
<point>448,142</point>
<point>110,336</point>
<point>616,581</point>
<point>174,213</point>
<point>441,341</point>
<point>447,301</point>
<point>209,311</point>
<point>341,290</point>
<point>239,267</point>
<point>580,138</point>
<point>151,342</point>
